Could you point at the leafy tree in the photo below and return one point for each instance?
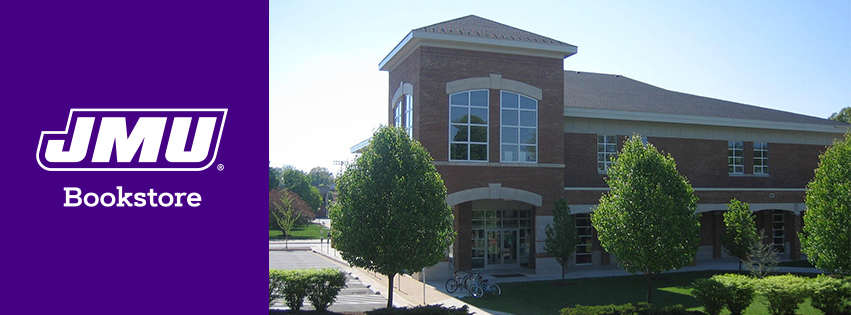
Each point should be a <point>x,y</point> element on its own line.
<point>298,182</point>
<point>286,209</point>
<point>827,222</point>
<point>741,235</point>
<point>647,219</point>
<point>844,115</point>
<point>762,259</point>
<point>320,176</point>
<point>393,215</point>
<point>274,178</point>
<point>562,236</point>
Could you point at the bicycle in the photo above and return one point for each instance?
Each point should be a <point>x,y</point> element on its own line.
<point>480,286</point>
<point>455,282</point>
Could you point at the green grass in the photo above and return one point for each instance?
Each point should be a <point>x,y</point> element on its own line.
<point>308,232</point>
<point>542,297</point>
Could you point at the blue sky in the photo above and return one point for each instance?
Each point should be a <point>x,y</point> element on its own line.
<point>327,94</point>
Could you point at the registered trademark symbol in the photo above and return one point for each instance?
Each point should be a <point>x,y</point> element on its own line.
<point>220,167</point>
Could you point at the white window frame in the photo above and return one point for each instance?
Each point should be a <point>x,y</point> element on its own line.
<point>519,110</point>
<point>397,114</point>
<point>760,158</point>
<point>409,115</point>
<point>469,126</point>
<point>734,147</point>
<point>606,156</point>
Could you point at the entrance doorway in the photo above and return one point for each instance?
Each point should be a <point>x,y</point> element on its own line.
<point>501,239</point>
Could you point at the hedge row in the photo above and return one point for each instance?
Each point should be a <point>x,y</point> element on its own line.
<point>422,310</point>
<point>626,309</point>
<point>320,286</point>
<point>782,294</point>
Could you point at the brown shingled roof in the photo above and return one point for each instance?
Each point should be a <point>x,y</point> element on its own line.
<point>475,26</point>
<point>616,92</point>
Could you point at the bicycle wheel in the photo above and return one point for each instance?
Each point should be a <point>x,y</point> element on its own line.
<point>494,288</point>
<point>476,290</point>
<point>451,285</point>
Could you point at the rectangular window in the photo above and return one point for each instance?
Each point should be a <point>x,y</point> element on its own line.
<point>409,115</point>
<point>519,132</point>
<point>584,247</point>
<point>760,158</point>
<point>397,114</point>
<point>607,149</point>
<point>735,157</point>
<point>779,231</point>
<point>468,126</point>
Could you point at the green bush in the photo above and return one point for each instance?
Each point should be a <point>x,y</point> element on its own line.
<point>712,294</point>
<point>295,288</point>
<point>422,310</point>
<point>830,295</point>
<point>740,289</point>
<point>782,294</point>
<point>626,309</point>
<point>324,285</point>
<point>276,284</point>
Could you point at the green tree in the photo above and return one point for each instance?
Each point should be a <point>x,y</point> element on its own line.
<point>827,223</point>
<point>298,182</point>
<point>647,219</point>
<point>274,178</point>
<point>562,236</point>
<point>844,115</point>
<point>762,259</point>
<point>393,215</point>
<point>286,209</point>
<point>320,176</point>
<point>741,235</point>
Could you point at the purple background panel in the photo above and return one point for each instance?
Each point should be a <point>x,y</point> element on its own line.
<point>210,259</point>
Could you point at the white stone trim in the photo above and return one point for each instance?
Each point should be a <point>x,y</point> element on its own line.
<point>404,88</point>
<point>700,189</point>
<point>496,82</point>
<point>475,163</point>
<point>794,207</point>
<point>494,191</point>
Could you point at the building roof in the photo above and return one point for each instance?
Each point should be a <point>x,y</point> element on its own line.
<point>475,26</point>
<point>594,91</point>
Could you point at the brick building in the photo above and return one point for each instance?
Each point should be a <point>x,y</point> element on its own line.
<point>511,131</point>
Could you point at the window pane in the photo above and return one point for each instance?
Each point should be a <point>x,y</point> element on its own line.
<point>611,148</point>
<point>601,167</point>
<point>509,117</point>
<point>509,100</point>
<point>478,152</point>
<point>458,133</point>
<point>528,153</point>
<point>458,114</point>
<point>458,99</point>
<point>509,135</point>
<point>479,98</point>
<point>528,118</point>
<point>527,103</point>
<point>611,139</point>
<point>458,151</point>
<point>478,115</point>
<point>509,153</point>
<point>478,134</point>
<point>528,136</point>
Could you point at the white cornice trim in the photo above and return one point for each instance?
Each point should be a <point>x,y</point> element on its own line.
<point>496,82</point>
<point>699,120</point>
<point>444,163</point>
<point>415,39</point>
<point>709,189</point>
<point>707,207</point>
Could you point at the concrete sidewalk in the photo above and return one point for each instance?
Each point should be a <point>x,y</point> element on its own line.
<point>406,290</point>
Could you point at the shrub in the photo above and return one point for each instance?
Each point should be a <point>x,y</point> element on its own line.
<point>323,287</point>
<point>295,288</point>
<point>625,309</point>
<point>740,289</point>
<point>712,294</point>
<point>422,310</point>
<point>782,294</point>
<point>830,295</point>
<point>276,284</point>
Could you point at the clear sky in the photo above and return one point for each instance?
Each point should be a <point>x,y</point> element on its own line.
<point>326,93</point>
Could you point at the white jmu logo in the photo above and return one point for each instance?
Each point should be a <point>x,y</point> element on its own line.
<point>145,139</point>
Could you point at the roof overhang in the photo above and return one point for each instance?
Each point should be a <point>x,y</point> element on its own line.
<point>701,120</point>
<point>415,39</point>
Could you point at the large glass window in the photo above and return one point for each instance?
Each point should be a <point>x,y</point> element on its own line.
<point>519,128</point>
<point>607,149</point>
<point>584,247</point>
<point>760,158</point>
<point>397,114</point>
<point>409,115</point>
<point>501,238</point>
<point>468,126</point>
<point>735,157</point>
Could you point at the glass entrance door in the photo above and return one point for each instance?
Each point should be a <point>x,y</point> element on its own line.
<point>509,247</point>
<point>501,239</point>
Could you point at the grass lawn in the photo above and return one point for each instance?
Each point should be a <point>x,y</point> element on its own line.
<point>541,297</point>
<point>310,231</point>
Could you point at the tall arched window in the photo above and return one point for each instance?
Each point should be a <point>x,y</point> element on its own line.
<point>519,128</point>
<point>468,126</point>
<point>409,115</point>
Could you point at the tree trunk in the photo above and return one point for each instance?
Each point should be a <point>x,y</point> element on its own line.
<point>286,239</point>
<point>740,265</point>
<point>390,290</point>
<point>649,288</point>
<point>563,267</point>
